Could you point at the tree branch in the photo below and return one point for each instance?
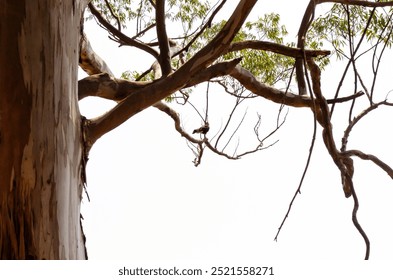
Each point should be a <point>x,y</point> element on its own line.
<point>164,58</point>
<point>301,37</point>
<point>385,167</point>
<point>247,79</point>
<point>276,48</point>
<point>139,96</point>
<point>162,88</point>
<point>359,3</point>
<point>105,86</point>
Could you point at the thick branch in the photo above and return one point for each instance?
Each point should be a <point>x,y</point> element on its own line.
<point>221,41</point>
<point>162,88</point>
<point>164,58</point>
<point>248,80</point>
<point>143,97</point>
<point>276,48</point>
<point>105,86</point>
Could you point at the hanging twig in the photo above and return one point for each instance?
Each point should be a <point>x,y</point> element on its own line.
<point>311,149</point>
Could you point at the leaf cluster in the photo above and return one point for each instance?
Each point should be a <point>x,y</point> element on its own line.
<point>343,25</point>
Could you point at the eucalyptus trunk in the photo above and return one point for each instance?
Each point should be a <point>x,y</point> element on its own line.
<point>41,148</point>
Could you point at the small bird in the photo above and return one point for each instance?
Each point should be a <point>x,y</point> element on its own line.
<point>203,129</point>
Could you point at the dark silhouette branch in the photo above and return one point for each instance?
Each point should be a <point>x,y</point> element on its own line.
<point>358,3</point>
<point>385,167</point>
<point>276,48</point>
<point>357,224</point>
<point>164,57</point>
<point>301,38</point>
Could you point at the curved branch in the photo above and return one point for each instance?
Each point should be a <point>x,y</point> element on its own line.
<point>248,80</point>
<point>356,222</point>
<point>174,115</point>
<point>348,130</point>
<point>385,167</point>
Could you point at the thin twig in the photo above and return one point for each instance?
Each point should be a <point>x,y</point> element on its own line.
<point>114,15</point>
<point>311,149</point>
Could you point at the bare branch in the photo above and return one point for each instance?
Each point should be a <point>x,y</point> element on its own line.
<point>199,143</point>
<point>385,167</point>
<point>238,101</point>
<point>105,86</point>
<point>146,96</point>
<point>356,222</point>
<point>346,98</point>
<point>311,149</point>
<point>174,115</point>
<point>248,80</point>
<point>344,140</point>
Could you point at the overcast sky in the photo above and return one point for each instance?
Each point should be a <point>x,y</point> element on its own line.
<point>149,202</point>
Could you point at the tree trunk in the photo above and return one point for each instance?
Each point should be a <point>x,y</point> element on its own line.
<point>40,133</point>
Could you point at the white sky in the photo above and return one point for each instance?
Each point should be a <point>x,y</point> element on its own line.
<point>149,202</point>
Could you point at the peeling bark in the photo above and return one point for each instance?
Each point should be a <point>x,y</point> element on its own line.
<point>40,146</point>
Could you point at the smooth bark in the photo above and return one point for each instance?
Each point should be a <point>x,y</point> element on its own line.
<point>40,131</point>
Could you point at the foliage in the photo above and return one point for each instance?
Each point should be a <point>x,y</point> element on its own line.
<point>344,25</point>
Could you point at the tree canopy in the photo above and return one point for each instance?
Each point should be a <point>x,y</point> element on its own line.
<point>193,48</point>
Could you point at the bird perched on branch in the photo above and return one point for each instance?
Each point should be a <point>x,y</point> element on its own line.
<point>203,129</point>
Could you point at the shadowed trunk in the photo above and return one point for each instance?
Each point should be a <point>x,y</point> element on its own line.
<point>40,132</point>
